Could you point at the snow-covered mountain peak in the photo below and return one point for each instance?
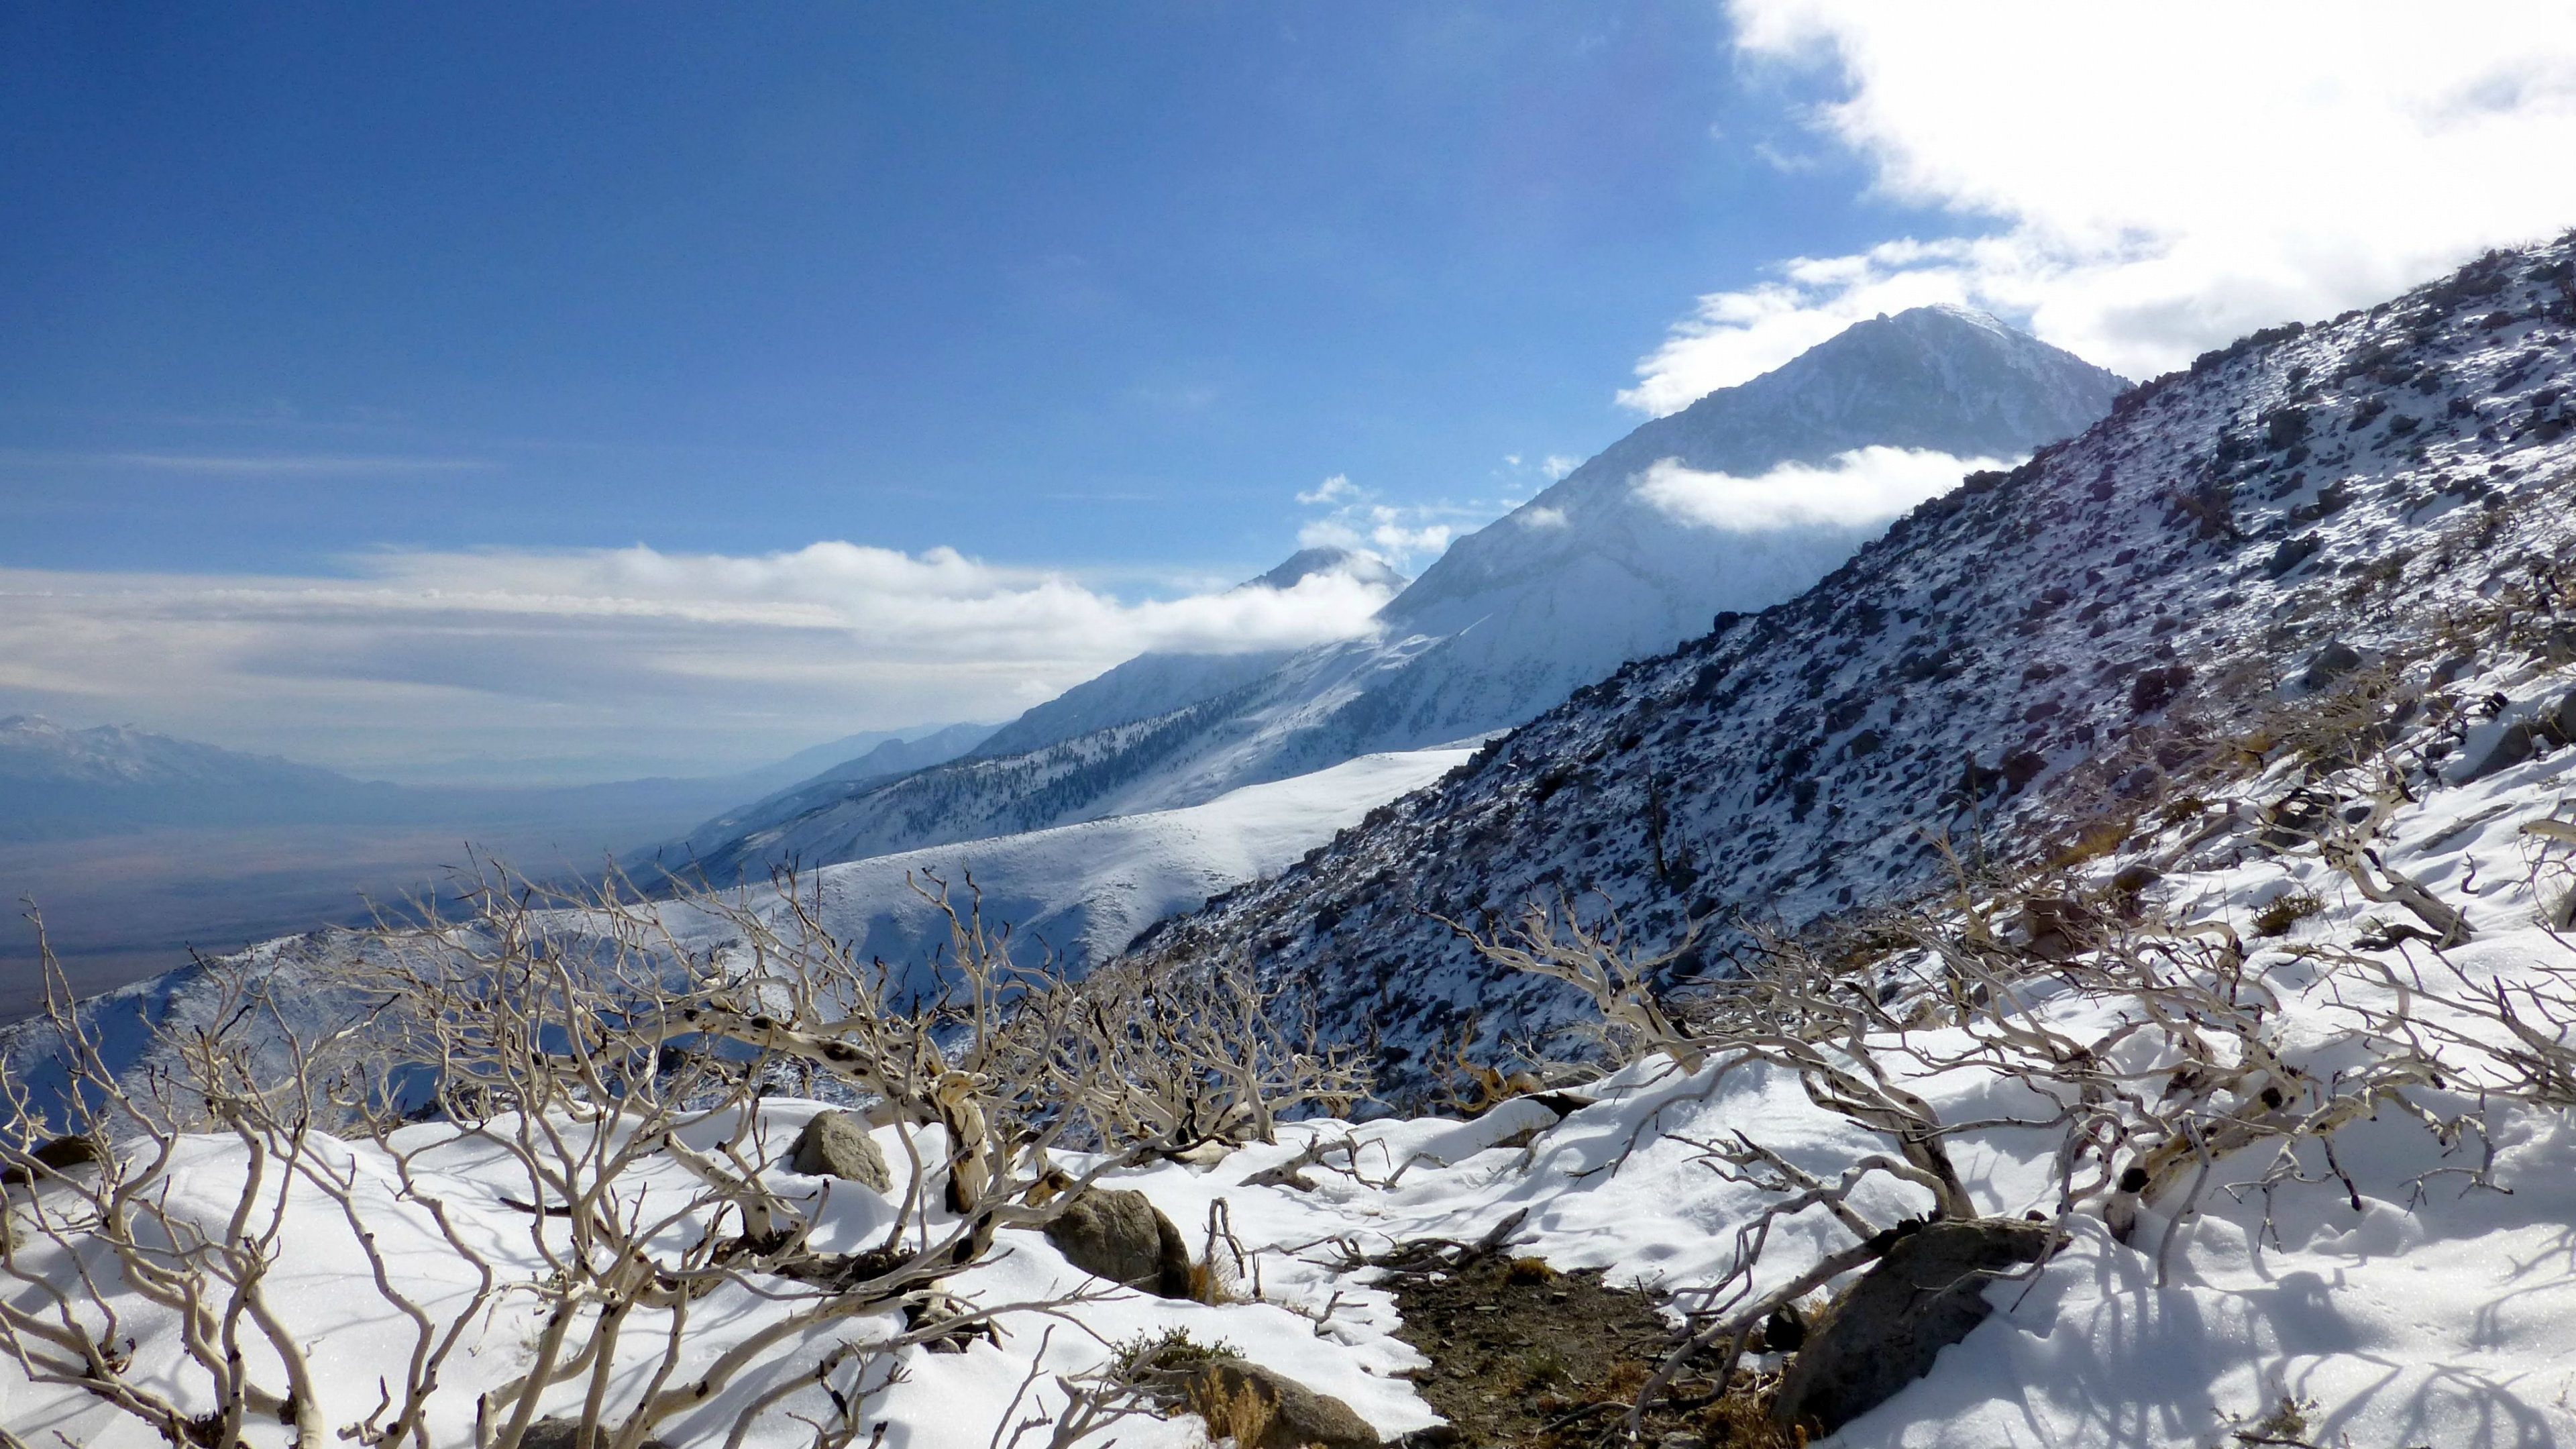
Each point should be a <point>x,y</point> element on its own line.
<point>1956,311</point>
<point>35,748</point>
<point>1358,565</point>
<point>1932,379</point>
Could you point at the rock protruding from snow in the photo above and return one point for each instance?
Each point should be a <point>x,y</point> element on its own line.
<point>837,1144</point>
<point>565,1433</point>
<point>1293,1416</point>
<point>1120,1235</point>
<point>1884,1332</point>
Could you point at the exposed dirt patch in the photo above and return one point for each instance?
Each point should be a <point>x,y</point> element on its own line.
<point>1523,1355</point>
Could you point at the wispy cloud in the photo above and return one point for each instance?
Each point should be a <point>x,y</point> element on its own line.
<point>2146,191</point>
<point>254,464</point>
<point>1861,488</point>
<point>1335,489</point>
<point>1408,535</point>
<point>629,650</point>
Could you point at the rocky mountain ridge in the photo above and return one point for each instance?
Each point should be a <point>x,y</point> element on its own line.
<point>2029,656</point>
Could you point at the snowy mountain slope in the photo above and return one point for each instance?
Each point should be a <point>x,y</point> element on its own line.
<point>1084,891</point>
<point>1158,683</point>
<point>2028,652</point>
<point>1559,592</point>
<point>1143,687</point>
<point>898,755</point>
<point>813,759</point>
<point>797,822</point>
<point>974,798</point>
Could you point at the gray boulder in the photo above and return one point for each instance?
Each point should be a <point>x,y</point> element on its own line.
<point>1123,1237</point>
<point>836,1144</point>
<point>2558,722</point>
<point>566,1433</point>
<point>1232,1394</point>
<point>1925,1295</point>
<point>2331,663</point>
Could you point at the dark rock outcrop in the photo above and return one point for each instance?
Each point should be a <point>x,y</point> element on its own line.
<point>1925,1295</point>
<point>1123,1237</point>
<point>1293,1415</point>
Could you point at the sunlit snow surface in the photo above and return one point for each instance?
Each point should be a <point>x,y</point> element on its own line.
<point>2438,1316</point>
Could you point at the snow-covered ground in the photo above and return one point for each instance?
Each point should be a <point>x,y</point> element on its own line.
<point>2408,1290</point>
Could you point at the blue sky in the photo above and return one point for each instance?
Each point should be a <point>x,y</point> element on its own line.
<point>1089,286</point>
<point>565,392</point>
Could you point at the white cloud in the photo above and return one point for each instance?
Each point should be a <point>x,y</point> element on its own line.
<point>1542,517</point>
<point>1407,535</point>
<point>2150,185</point>
<point>661,656</point>
<point>1331,490</point>
<point>1859,489</point>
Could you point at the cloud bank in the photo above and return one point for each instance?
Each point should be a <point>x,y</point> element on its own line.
<point>1859,489</point>
<point>635,659</point>
<point>2147,185</point>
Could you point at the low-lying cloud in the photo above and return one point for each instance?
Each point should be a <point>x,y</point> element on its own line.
<point>1858,489</point>
<point>2142,188</point>
<point>662,661</point>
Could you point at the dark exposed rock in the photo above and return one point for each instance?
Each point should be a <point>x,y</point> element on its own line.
<point>2153,689</point>
<point>59,1155</point>
<point>836,1144</point>
<point>2135,878</point>
<point>2517,742</point>
<point>2331,663</point>
<point>1123,1237</point>
<point>2295,819</point>
<point>2558,723</point>
<point>1925,1295</point>
<point>1297,1417</point>
<point>2291,553</point>
<point>562,1433</point>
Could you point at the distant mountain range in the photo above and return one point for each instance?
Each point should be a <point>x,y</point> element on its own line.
<point>57,782</point>
<point>1587,575</point>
